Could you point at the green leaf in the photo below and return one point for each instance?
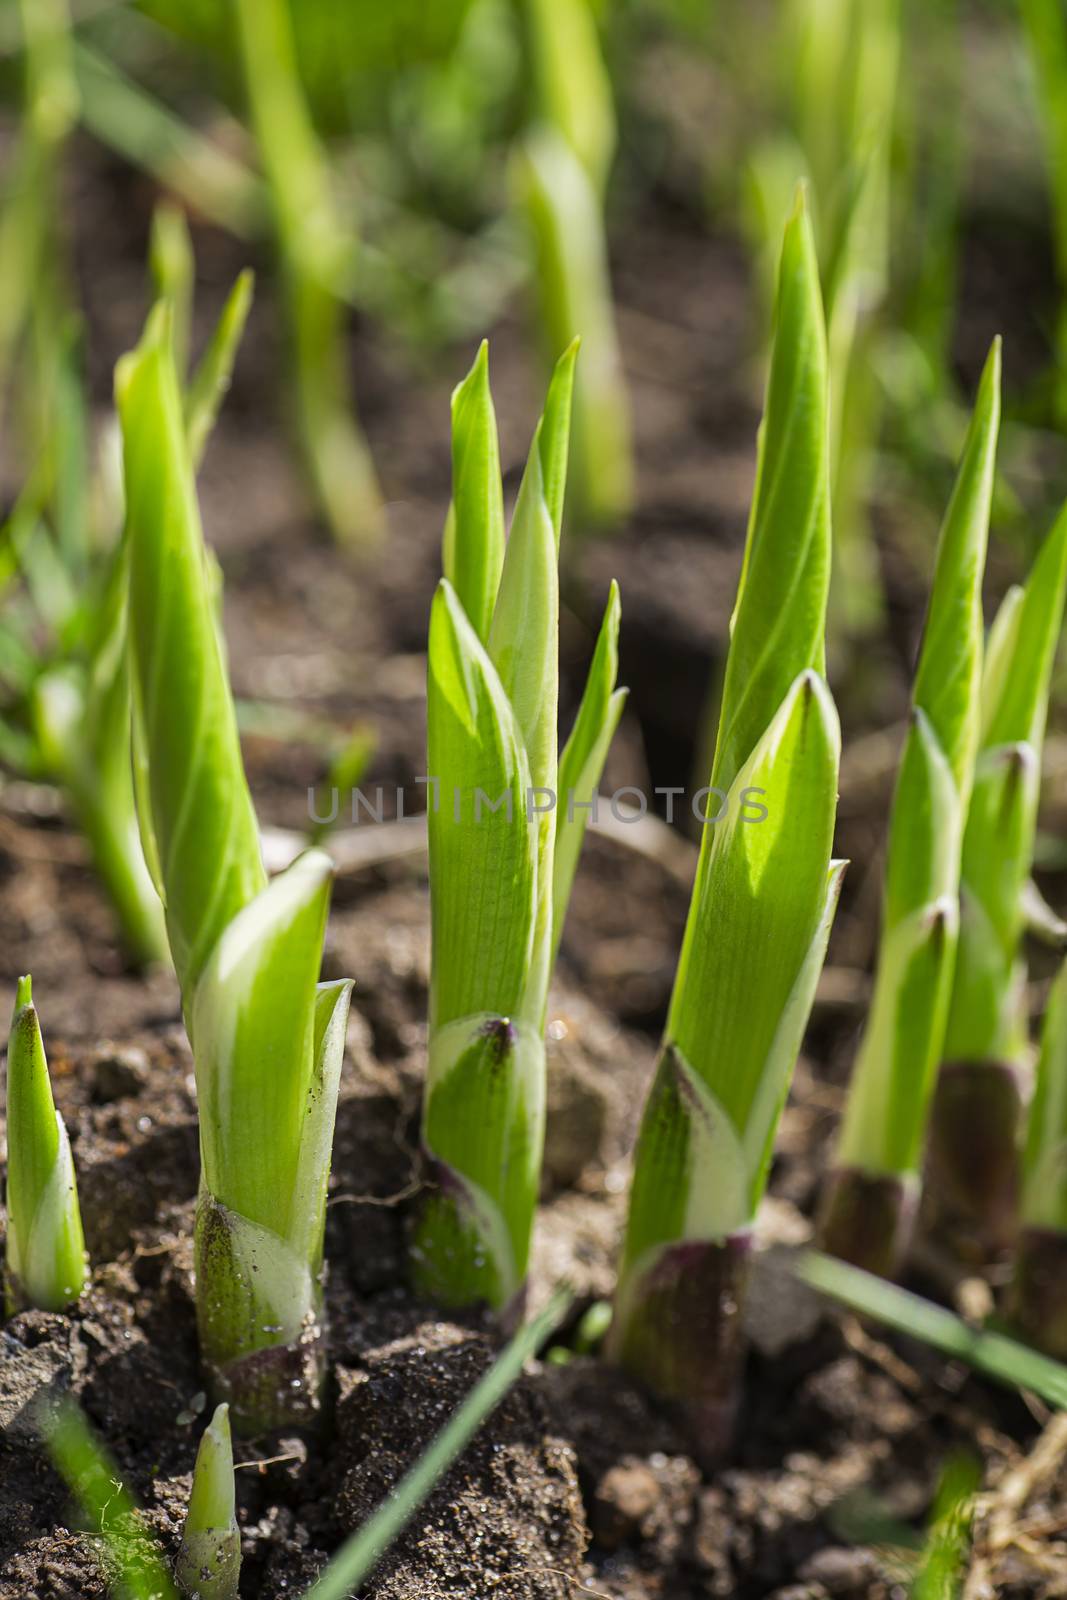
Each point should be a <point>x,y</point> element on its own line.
<point>483,1127</point>
<point>948,677</point>
<point>1022,649</point>
<point>254,1025</point>
<point>582,759</point>
<point>987,1018</point>
<point>474,532</point>
<point>925,827</point>
<point>524,637</point>
<point>892,1080</point>
<point>202,819</point>
<point>779,621</point>
<point>553,437</point>
<point>758,899</point>
<point>211,380</point>
<point>483,861</point>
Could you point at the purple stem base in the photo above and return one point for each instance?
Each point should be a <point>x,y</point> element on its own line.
<point>868,1218</point>
<point>972,1173</point>
<point>683,1335</point>
<point>1037,1303</point>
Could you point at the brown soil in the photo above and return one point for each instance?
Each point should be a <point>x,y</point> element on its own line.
<point>580,1485</point>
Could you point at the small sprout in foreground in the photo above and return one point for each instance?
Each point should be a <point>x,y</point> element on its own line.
<point>759,917</point>
<point>1037,1304</point>
<point>209,1561</point>
<point>46,1263</point>
<point>870,1201</point>
<point>984,1082</point>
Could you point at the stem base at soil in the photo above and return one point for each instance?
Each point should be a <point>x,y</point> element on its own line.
<point>867,1218</point>
<point>972,1175</point>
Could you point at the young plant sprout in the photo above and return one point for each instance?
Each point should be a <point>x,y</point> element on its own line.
<point>872,1193</point>
<point>562,170</point>
<point>972,1164</point>
<point>760,914</point>
<point>311,248</point>
<point>1037,1304</point>
<point>209,1561</point>
<point>267,1037</point>
<point>46,1264</point>
<point>497,883</point>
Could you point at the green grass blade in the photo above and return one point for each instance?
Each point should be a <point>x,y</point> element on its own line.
<point>358,1556</point>
<point>201,811</point>
<point>992,1354</point>
<point>474,533</point>
<point>132,1559</point>
<point>779,621</point>
<point>211,380</point>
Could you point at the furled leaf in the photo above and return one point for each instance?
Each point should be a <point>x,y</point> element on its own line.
<point>210,381</point>
<point>474,533</point>
<point>202,819</point>
<point>779,620</point>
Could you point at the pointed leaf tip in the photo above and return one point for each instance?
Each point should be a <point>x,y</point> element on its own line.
<point>24,992</point>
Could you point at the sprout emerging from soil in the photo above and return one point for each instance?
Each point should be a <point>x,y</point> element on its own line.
<point>209,1561</point>
<point>975,1125</point>
<point>760,915</point>
<point>871,1198</point>
<point>46,1263</point>
<point>498,886</point>
<point>267,1038</point>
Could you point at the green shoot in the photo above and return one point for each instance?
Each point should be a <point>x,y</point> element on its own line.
<point>310,245</point>
<point>209,1561</point>
<point>495,897</point>
<point>208,385</point>
<point>45,1264</point>
<point>983,1083</point>
<point>870,1202</point>
<point>562,171</point>
<point>760,914</point>
<point>267,1037</point>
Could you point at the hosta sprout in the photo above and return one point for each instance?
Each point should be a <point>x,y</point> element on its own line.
<point>209,1561</point>
<point>503,845</point>
<point>760,914</point>
<point>984,1080</point>
<point>45,1263</point>
<point>870,1201</point>
<point>267,1037</point>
